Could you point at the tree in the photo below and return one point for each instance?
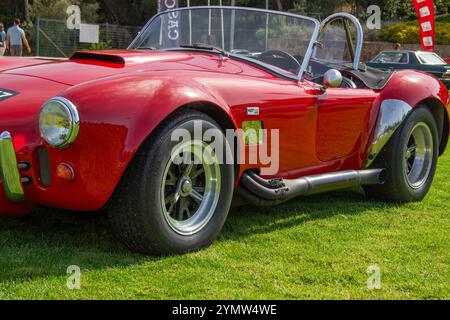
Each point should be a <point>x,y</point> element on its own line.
<point>137,12</point>
<point>26,8</point>
<point>56,9</point>
<point>280,5</point>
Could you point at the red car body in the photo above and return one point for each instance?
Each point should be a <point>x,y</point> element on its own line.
<point>123,96</point>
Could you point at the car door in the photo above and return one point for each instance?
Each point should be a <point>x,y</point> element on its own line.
<point>342,120</point>
<point>342,112</point>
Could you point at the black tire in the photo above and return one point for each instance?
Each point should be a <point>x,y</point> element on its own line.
<point>136,213</point>
<point>398,187</point>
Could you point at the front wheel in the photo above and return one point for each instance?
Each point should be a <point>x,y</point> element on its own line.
<point>410,159</point>
<point>176,193</point>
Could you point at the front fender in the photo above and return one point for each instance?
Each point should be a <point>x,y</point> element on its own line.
<point>117,115</point>
<point>405,91</point>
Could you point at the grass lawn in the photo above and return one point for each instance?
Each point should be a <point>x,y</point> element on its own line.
<point>313,248</point>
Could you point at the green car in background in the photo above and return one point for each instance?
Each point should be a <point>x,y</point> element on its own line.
<point>428,62</point>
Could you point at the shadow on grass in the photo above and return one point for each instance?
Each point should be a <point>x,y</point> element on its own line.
<point>48,241</point>
<point>246,221</point>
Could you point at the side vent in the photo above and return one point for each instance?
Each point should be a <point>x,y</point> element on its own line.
<point>44,167</point>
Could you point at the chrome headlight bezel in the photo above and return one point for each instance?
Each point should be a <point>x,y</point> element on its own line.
<point>73,119</point>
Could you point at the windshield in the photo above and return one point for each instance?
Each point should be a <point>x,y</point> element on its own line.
<point>279,41</point>
<point>430,58</point>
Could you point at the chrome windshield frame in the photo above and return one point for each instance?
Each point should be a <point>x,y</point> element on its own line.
<point>308,54</point>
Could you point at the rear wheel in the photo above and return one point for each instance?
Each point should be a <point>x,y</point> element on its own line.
<point>175,196</point>
<point>410,159</point>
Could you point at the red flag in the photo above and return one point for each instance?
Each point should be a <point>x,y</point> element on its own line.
<point>425,14</point>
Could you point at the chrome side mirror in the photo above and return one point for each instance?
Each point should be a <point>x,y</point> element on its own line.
<point>332,79</point>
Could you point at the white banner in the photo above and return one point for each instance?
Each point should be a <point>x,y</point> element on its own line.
<point>89,33</point>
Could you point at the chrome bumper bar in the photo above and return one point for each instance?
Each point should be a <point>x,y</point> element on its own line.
<point>9,172</point>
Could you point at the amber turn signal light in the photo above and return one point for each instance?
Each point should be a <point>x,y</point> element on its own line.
<point>65,173</point>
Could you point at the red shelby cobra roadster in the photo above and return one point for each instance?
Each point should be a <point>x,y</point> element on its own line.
<point>145,132</point>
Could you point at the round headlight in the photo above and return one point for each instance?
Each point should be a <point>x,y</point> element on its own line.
<point>59,122</point>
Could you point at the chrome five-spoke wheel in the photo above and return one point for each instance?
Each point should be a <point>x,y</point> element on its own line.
<point>191,187</point>
<point>419,155</point>
<point>175,196</point>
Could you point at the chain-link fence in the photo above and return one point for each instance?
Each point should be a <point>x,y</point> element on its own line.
<point>54,39</point>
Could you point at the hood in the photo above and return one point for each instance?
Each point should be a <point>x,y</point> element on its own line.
<point>10,63</point>
<point>92,65</point>
<point>21,98</point>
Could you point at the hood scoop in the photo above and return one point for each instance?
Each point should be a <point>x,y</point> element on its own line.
<point>123,58</point>
<point>95,57</point>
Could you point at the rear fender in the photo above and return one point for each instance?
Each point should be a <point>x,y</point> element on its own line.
<point>406,91</point>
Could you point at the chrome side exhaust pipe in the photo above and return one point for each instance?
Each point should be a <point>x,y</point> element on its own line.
<point>266,192</point>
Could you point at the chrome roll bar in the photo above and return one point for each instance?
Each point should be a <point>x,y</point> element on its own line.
<point>359,31</point>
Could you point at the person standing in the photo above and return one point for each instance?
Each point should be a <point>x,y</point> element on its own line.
<point>16,40</point>
<point>2,40</point>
